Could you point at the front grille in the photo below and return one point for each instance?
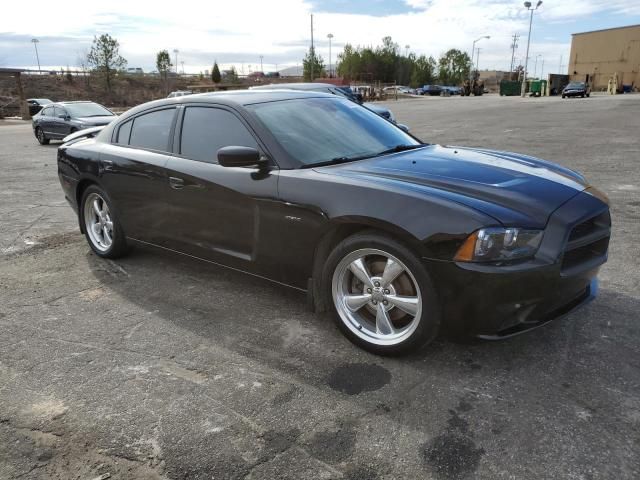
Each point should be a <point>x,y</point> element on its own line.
<point>587,244</point>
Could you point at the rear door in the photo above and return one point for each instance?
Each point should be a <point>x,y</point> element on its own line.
<point>215,211</point>
<point>133,172</point>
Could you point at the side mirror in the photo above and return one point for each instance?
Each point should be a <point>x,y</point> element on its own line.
<point>402,127</point>
<point>239,157</point>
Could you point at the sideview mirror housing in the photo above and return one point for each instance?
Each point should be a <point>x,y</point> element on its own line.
<point>239,157</point>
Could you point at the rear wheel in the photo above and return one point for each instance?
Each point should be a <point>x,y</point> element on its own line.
<point>42,139</point>
<point>382,294</point>
<point>102,229</point>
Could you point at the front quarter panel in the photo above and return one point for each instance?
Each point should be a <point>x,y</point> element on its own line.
<point>315,203</point>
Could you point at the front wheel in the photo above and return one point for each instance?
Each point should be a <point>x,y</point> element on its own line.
<point>102,229</point>
<point>382,294</point>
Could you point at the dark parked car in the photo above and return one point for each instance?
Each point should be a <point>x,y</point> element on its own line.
<point>36,104</point>
<point>576,89</point>
<point>399,238</point>
<point>57,120</point>
<point>343,91</point>
<point>433,90</point>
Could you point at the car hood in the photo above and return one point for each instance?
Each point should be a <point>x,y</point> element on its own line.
<point>97,120</point>
<point>516,190</point>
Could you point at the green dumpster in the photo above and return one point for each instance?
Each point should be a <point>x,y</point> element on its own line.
<point>510,88</point>
<point>537,88</point>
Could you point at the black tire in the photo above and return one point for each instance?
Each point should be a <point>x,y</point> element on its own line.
<point>118,246</point>
<point>582,95</point>
<point>428,323</point>
<point>42,138</point>
<point>588,95</point>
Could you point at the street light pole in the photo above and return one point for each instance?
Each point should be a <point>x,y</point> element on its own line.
<point>35,42</point>
<point>526,57</point>
<point>478,59</point>
<point>406,50</point>
<point>176,51</point>
<point>330,36</point>
<point>473,51</point>
<point>261,57</point>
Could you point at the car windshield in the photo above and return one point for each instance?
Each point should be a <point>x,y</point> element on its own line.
<point>327,130</point>
<point>87,110</point>
<point>42,101</point>
<point>576,85</point>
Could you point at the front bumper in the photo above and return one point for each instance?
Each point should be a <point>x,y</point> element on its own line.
<point>498,301</point>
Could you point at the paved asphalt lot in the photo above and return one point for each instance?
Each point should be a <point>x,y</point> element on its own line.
<point>155,366</point>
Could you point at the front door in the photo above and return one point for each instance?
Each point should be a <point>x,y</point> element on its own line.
<point>214,211</point>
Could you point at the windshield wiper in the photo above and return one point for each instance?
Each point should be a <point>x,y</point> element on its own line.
<point>345,159</point>
<point>337,160</point>
<point>399,148</point>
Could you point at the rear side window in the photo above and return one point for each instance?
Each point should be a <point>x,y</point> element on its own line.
<point>47,112</point>
<point>206,130</point>
<point>152,130</point>
<point>124,132</point>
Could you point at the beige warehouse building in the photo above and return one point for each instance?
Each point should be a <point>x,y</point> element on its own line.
<point>596,56</point>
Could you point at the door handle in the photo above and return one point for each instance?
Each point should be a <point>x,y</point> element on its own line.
<point>176,183</point>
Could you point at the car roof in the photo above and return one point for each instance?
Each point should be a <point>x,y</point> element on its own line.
<point>297,86</point>
<point>234,98</point>
<point>73,102</point>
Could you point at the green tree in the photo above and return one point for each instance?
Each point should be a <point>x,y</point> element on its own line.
<point>163,63</point>
<point>105,58</point>
<point>312,66</point>
<point>232,75</point>
<point>454,67</point>
<point>215,73</point>
<point>424,71</point>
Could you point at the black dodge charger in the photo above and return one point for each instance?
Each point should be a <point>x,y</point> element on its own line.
<point>397,237</point>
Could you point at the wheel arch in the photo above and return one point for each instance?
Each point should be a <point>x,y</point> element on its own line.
<point>337,230</point>
<point>83,184</point>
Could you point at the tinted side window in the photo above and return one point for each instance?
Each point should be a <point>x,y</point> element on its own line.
<point>124,132</point>
<point>206,130</point>
<point>152,130</point>
<point>47,112</point>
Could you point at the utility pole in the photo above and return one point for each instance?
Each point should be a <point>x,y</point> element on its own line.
<point>176,51</point>
<point>261,57</point>
<point>330,36</point>
<point>478,60</point>
<point>514,47</point>
<point>313,52</point>
<point>560,66</point>
<point>35,42</point>
<point>406,50</point>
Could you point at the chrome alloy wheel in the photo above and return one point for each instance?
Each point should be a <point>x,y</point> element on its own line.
<point>98,222</point>
<point>376,296</point>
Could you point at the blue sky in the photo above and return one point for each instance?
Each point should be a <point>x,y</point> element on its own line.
<point>238,33</point>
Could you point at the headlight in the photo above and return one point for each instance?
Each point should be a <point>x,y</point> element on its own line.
<point>496,244</point>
